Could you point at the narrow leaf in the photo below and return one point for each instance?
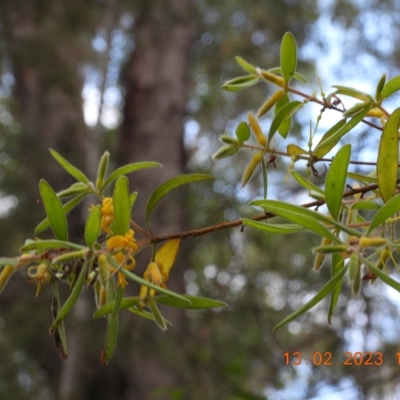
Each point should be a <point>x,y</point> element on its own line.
<point>319,151</point>
<point>122,205</point>
<point>196,303</point>
<point>327,143</point>
<point>386,211</point>
<point>69,303</point>
<point>362,178</point>
<point>381,274</point>
<point>54,210</point>
<point>280,116</point>
<point>112,328</point>
<point>127,169</point>
<point>388,155</point>
<point>392,86</point>
<point>92,226</point>
<point>349,91</point>
<point>126,302</point>
<point>336,180</point>
<point>132,198</point>
<point>245,65</point>
<point>325,290</point>
<point>296,75</point>
<point>73,171</point>
<point>284,127</point>
<point>337,266</point>
<point>280,229</point>
<point>142,281</point>
<point>68,207</point>
<point>49,244</point>
<point>156,313</point>
<point>167,186</point>
<point>306,183</point>
<point>365,205</point>
<point>239,83</point>
<point>310,219</point>
<point>288,56</point>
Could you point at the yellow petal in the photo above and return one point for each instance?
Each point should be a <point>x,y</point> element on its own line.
<point>166,254</point>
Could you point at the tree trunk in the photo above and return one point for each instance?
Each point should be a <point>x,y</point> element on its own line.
<point>152,130</point>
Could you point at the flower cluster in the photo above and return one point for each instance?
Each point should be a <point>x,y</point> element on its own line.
<point>127,246</point>
<point>156,274</point>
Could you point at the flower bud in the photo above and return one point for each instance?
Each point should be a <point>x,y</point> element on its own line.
<point>5,275</point>
<point>372,241</point>
<point>251,167</point>
<point>261,139</point>
<point>270,77</point>
<point>270,102</point>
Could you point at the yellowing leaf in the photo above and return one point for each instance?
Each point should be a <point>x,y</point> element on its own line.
<point>166,254</point>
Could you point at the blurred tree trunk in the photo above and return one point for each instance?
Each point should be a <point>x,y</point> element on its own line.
<point>45,48</point>
<point>152,130</point>
<point>47,90</point>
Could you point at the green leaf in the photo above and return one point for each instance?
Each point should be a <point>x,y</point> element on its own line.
<point>122,205</point>
<point>306,183</point>
<point>142,281</point>
<point>196,303</point>
<point>225,151</point>
<point>284,127</point>
<point>386,211</point>
<point>9,261</point>
<point>379,88</point>
<point>381,274</point>
<point>49,244</point>
<point>362,178</point>
<point>325,290</point>
<point>156,314</point>
<point>68,207</point>
<point>310,219</point>
<point>296,75</point>
<point>245,65</point>
<point>73,171</point>
<point>280,229</point>
<point>93,226</point>
<point>76,188</point>
<point>265,178</point>
<point>61,326</point>
<point>280,116</point>
<point>127,169</point>
<point>54,210</point>
<point>132,198</point>
<point>337,266</point>
<point>332,137</point>
<point>242,132</point>
<point>73,297</point>
<point>388,155</point>
<point>392,86</point>
<point>126,302</point>
<point>288,56</point>
<point>169,185</point>
<point>365,205</point>
<point>239,83</point>
<point>336,180</point>
<point>349,91</point>
<point>112,328</point>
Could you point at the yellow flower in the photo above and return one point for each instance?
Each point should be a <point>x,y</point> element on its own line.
<point>128,245</point>
<point>107,214</point>
<point>41,274</point>
<point>155,274</point>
